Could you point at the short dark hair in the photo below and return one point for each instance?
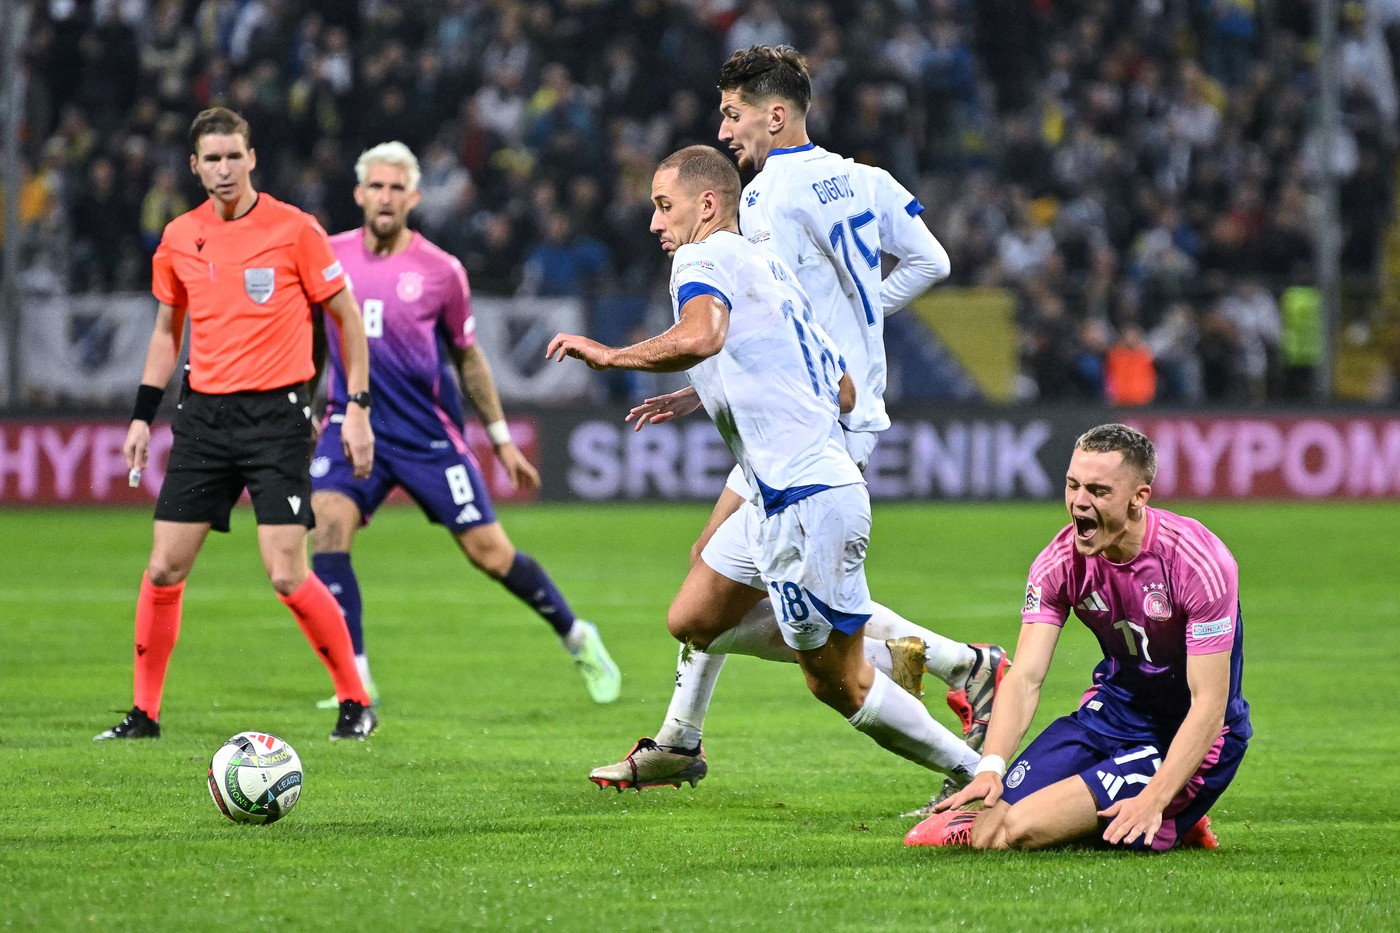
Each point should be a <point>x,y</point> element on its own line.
<point>218,121</point>
<point>705,168</point>
<point>1137,449</point>
<point>763,72</point>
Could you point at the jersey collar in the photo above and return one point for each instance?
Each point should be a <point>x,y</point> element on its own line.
<point>774,152</point>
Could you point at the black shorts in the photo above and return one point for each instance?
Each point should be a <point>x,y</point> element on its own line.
<point>224,443</point>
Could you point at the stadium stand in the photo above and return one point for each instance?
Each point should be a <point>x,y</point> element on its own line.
<point>1112,166</point>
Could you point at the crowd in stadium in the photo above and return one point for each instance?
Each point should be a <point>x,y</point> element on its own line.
<point>1139,175</point>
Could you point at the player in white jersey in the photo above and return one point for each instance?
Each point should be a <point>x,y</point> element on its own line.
<point>832,220</point>
<point>776,386</point>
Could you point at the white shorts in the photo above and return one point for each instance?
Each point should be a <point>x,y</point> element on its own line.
<point>809,558</point>
<point>859,444</point>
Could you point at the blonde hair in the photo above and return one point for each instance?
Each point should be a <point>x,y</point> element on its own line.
<point>392,153</point>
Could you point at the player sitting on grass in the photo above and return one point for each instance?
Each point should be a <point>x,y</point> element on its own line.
<point>1162,731</point>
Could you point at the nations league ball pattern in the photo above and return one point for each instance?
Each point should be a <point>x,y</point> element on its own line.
<point>255,778</point>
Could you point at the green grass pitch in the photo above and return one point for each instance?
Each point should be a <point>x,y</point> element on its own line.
<point>470,809</point>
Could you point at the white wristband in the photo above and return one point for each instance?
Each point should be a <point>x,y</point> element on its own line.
<point>499,432</point>
<point>994,763</point>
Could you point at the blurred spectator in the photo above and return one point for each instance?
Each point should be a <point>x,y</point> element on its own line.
<point>167,53</point>
<point>1101,161</point>
<point>335,167</point>
<point>489,256</point>
<point>442,186</point>
<point>1218,348</point>
<point>162,204</point>
<point>564,263</point>
<point>1129,373</point>
<point>1255,315</point>
<point>1089,359</point>
<point>1301,341</point>
<point>501,104</point>
<point>37,201</point>
<point>1050,347</point>
<point>1173,345</point>
<point>104,230</point>
<point>108,68</point>
<point>760,24</point>
<point>1229,34</point>
<point>1025,248</point>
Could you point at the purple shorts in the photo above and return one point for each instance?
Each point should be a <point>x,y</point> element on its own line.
<point>446,484</point>
<point>1115,770</point>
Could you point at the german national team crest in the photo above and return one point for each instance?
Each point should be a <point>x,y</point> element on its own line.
<point>410,287</point>
<point>1018,774</point>
<point>1156,605</point>
<point>260,284</point>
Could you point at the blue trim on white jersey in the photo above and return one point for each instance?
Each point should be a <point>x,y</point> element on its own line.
<point>775,500</point>
<point>914,208</point>
<point>773,152</point>
<point>848,622</point>
<point>693,289</point>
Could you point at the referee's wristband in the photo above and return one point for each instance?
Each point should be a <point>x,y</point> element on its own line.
<point>993,763</point>
<point>499,432</point>
<point>147,403</point>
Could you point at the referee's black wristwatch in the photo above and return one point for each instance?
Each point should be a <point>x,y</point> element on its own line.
<point>358,398</point>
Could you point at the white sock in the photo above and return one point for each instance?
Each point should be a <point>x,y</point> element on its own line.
<point>878,654</point>
<point>695,684</point>
<point>362,665</point>
<point>900,724</point>
<point>944,658</point>
<point>757,635</point>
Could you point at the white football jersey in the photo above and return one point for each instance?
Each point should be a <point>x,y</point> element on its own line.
<point>772,389</point>
<point>830,219</point>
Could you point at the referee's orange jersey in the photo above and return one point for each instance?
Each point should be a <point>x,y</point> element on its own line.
<point>249,285</point>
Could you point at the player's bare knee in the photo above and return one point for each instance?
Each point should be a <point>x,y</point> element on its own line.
<point>162,573</point>
<point>684,628</point>
<point>491,559</point>
<point>1019,829</point>
<point>286,582</point>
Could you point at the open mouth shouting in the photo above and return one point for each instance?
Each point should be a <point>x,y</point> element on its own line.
<point>1086,529</point>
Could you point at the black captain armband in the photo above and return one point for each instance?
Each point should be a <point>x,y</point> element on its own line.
<point>147,403</point>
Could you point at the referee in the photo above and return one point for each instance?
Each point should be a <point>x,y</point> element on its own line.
<point>246,269</point>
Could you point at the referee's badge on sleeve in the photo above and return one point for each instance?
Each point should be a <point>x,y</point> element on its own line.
<point>259,284</point>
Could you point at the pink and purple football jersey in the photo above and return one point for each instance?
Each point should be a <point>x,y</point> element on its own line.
<point>412,303</point>
<point>1178,597</point>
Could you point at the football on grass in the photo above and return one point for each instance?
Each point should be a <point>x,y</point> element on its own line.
<point>255,778</point>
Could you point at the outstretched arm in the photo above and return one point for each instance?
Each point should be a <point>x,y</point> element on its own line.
<point>1208,676</point>
<point>1012,712</point>
<point>697,336</point>
<point>481,389</point>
